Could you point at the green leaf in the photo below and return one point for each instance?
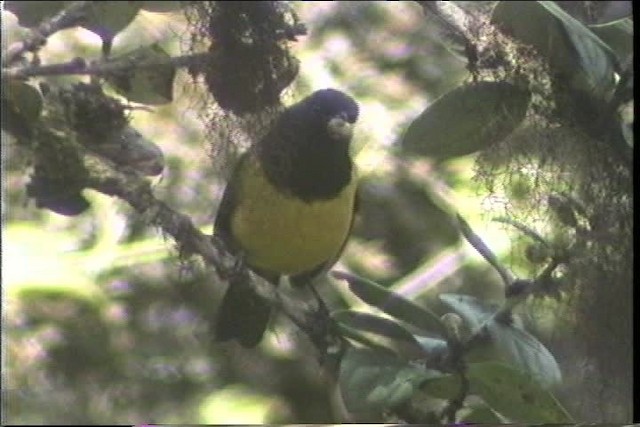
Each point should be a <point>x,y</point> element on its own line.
<point>618,35</point>
<point>363,338</point>
<point>571,49</point>
<point>31,13</point>
<point>597,60</point>
<point>467,119</point>
<point>394,336</point>
<point>108,18</point>
<point>378,325</point>
<point>446,386</point>
<point>515,345</point>
<point>393,304</point>
<point>145,84</point>
<point>514,394</point>
<point>525,352</point>
<point>373,382</point>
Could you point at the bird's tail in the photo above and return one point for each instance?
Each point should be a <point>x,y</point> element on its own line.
<point>243,315</point>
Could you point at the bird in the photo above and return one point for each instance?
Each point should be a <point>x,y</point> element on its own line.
<point>288,207</point>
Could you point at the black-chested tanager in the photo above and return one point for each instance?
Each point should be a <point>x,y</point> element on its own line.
<point>288,207</point>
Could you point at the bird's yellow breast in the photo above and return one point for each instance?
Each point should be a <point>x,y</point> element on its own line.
<point>282,234</point>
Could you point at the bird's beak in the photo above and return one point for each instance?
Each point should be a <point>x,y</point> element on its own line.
<point>340,129</point>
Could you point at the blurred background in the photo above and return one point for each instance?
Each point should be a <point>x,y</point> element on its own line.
<point>99,323</point>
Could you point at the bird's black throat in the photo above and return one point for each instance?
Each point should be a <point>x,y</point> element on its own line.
<point>312,166</point>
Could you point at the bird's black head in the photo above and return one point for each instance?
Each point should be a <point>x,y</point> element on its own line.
<point>330,103</point>
<point>307,152</point>
<point>324,116</point>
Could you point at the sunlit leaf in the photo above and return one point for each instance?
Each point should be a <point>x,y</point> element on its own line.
<point>514,394</point>
<point>393,304</point>
<point>146,85</point>
<point>466,120</point>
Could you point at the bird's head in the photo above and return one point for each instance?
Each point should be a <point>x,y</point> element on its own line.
<point>333,109</point>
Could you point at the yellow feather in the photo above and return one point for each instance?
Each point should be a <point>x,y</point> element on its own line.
<point>283,234</point>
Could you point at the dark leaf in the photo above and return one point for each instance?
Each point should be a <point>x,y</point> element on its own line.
<point>31,13</point>
<point>618,35</point>
<point>467,119</point>
<point>571,48</point>
<point>393,304</point>
<point>108,18</point>
<point>24,99</point>
<point>378,325</point>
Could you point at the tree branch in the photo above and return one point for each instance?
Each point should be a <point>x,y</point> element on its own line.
<point>128,185</point>
<point>67,17</point>
<point>102,68</point>
<point>457,25</point>
<point>453,19</point>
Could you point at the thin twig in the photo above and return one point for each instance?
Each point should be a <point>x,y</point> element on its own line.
<point>523,228</point>
<point>67,17</point>
<point>456,403</point>
<point>510,303</point>
<point>484,250</point>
